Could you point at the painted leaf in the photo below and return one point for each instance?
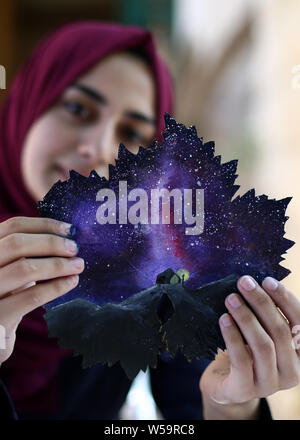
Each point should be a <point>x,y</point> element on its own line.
<point>244,235</point>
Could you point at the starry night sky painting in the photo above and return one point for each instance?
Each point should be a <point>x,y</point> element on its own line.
<point>150,287</point>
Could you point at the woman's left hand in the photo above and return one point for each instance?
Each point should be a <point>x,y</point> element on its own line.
<point>233,383</point>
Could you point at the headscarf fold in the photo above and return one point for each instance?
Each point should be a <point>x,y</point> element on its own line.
<point>55,63</point>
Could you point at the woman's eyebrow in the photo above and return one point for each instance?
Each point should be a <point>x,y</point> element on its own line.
<point>140,117</point>
<point>90,92</point>
<point>97,96</point>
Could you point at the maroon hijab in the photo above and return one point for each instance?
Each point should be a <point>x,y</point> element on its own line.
<point>61,57</point>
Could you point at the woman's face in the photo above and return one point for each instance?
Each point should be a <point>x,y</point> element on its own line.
<point>113,102</point>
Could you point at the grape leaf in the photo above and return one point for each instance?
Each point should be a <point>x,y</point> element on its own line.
<point>244,235</point>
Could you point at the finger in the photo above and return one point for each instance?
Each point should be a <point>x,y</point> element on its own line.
<point>35,225</point>
<point>17,306</point>
<point>26,286</point>
<point>274,324</point>
<point>260,343</point>
<point>288,304</point>
<point>239,356</point>
<point>18,245</point>
<point>284,299</point>
<point>241,362</point>
<point>26,270</point>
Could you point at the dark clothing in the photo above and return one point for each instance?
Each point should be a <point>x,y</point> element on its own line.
<point>100,391</point>
<point>7,409</point>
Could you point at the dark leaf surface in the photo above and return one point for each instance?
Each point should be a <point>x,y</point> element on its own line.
<point>135,331</point>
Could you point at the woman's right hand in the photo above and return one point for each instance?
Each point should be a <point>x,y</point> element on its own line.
<point>21,239</point>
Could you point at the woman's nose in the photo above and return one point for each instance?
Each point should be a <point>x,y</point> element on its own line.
<point>98,149</point>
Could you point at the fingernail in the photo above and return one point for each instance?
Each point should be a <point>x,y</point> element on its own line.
<point>234,300</point>
<point>247,283</point>
<point>72,231</point>
<point>71,246</point>
<point>65,228</point>
<point>225,320</point>
<point>270,283</point>
<point>73,280</point>
<point>77,263</point>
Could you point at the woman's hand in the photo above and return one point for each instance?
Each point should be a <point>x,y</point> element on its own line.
<point>235,381</point>
<point>22,238</point>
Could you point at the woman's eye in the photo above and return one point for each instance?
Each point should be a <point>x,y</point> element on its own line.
<point>76,109</point>
<point>132,136</point>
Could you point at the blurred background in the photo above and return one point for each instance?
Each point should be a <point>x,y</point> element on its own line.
<point>236,66</point>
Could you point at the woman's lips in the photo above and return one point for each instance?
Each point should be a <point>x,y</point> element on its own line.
<point>62,172</point>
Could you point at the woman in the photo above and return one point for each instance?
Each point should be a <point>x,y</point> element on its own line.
<point>85,89</point>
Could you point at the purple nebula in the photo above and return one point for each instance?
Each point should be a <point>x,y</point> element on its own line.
<point>244,235</point>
